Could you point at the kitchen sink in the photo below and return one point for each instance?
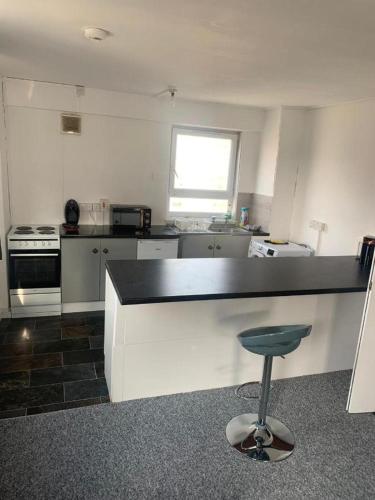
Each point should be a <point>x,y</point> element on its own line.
<point>226,229</point>
<point>214,228</point>
<point>229,231</point>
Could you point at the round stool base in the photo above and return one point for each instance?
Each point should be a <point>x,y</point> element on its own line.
<point>270,443</point>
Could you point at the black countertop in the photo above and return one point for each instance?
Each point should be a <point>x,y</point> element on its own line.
<point>175,280</point>
<point>259,233</point>
<point>158,232</point>
<point>91,231</point>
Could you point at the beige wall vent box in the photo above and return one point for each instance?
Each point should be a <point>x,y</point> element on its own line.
<point>70,124</point>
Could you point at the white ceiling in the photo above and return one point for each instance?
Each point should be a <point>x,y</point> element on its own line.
<point>254,52</point>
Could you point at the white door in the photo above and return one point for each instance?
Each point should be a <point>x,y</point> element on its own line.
<point>362,394</point>
<point>197,246</point>
<point>235,246</point>
<point>157,249</point>
<point>115,249</point>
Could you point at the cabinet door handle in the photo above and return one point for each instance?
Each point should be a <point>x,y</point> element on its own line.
<point>210,247</point>
<point>95,250</point>
<point>105,250</point>
<point>218,247</point>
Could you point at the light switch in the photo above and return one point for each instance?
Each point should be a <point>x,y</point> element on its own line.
<point>318,225</point>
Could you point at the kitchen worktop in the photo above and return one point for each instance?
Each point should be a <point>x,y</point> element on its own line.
<point>175,280</point>
<point>91,231</point>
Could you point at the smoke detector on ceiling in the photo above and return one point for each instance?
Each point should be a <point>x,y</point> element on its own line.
<point>96,34</point>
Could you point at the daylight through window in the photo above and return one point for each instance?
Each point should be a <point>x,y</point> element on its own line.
<point>202,171</point>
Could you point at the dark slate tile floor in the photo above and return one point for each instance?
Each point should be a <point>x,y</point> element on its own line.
<point>51,363</point>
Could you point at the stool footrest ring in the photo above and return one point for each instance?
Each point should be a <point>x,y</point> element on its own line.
<point>241,387</point>
<point>238,390</point>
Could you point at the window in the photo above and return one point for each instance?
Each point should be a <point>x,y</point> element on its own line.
<point>203,171</point>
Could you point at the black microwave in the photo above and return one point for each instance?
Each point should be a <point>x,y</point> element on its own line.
<point>131,217</point>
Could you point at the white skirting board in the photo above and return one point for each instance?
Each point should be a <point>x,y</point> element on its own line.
<point>166,348</point>
<point>67,308</point>
<point>5,313</point>
<point>82,307</point>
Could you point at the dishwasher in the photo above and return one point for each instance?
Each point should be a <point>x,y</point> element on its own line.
<point>157,249</point>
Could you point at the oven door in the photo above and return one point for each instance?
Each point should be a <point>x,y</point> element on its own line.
<point>34,271</point>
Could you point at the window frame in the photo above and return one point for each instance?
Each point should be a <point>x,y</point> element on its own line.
<point>228,194</point>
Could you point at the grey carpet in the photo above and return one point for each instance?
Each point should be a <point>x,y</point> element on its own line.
<point>175,447</point>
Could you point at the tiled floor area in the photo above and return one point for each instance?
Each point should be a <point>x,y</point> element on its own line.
<point>51,363</point>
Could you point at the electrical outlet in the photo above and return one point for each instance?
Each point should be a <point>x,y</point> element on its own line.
<point>85,207</point>
<point>104,203</point>
<point>318,225</point>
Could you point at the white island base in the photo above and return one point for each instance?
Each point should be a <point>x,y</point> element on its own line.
<point>171,347</point>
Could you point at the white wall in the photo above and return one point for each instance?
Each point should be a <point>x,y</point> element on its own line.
<point>120,159</point>
<point>3,262</point>
<point>123,153</point>
<point>292,135</point>
<point>249,157</point>
<point>4,214</point>
<point>337,182</point>
<point>268,153</point>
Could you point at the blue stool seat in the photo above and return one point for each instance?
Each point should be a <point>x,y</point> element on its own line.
<point>261,437</point>
<point>273,340</point>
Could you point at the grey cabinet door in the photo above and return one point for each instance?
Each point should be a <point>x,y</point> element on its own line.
<point>197,245</point>
<point>80,264</point>
<point>231,246</point>
<point>115,249</point>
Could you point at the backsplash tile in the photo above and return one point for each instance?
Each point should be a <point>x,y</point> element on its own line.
<point>259,208</point>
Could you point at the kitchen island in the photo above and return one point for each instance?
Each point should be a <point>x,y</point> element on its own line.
<point>171,325</point>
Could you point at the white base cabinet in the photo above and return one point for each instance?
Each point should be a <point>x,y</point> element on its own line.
<point>83,265</point>
<point>114,249</point>
<point>83,259</point>
<point>157,249</point>
<point>206,245</point>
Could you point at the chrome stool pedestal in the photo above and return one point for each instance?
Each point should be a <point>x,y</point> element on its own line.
<point>261,437</point>
<point>269,443</point>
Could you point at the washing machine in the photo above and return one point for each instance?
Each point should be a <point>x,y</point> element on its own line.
<point>262,248</point>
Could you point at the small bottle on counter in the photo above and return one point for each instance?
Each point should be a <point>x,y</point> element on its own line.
<point>244,217</point>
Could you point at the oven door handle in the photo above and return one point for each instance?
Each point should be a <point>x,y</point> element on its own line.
<point>34,255</point>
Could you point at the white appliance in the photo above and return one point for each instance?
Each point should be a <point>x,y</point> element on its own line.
<point>34,259</point>
<point>259,248</point>
<point>157,249</point>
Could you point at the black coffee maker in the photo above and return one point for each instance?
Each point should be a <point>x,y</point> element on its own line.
<point>71,213</point>
<point>367,251</point>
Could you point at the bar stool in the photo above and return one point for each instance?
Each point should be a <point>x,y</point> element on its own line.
<point>261,437</point>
